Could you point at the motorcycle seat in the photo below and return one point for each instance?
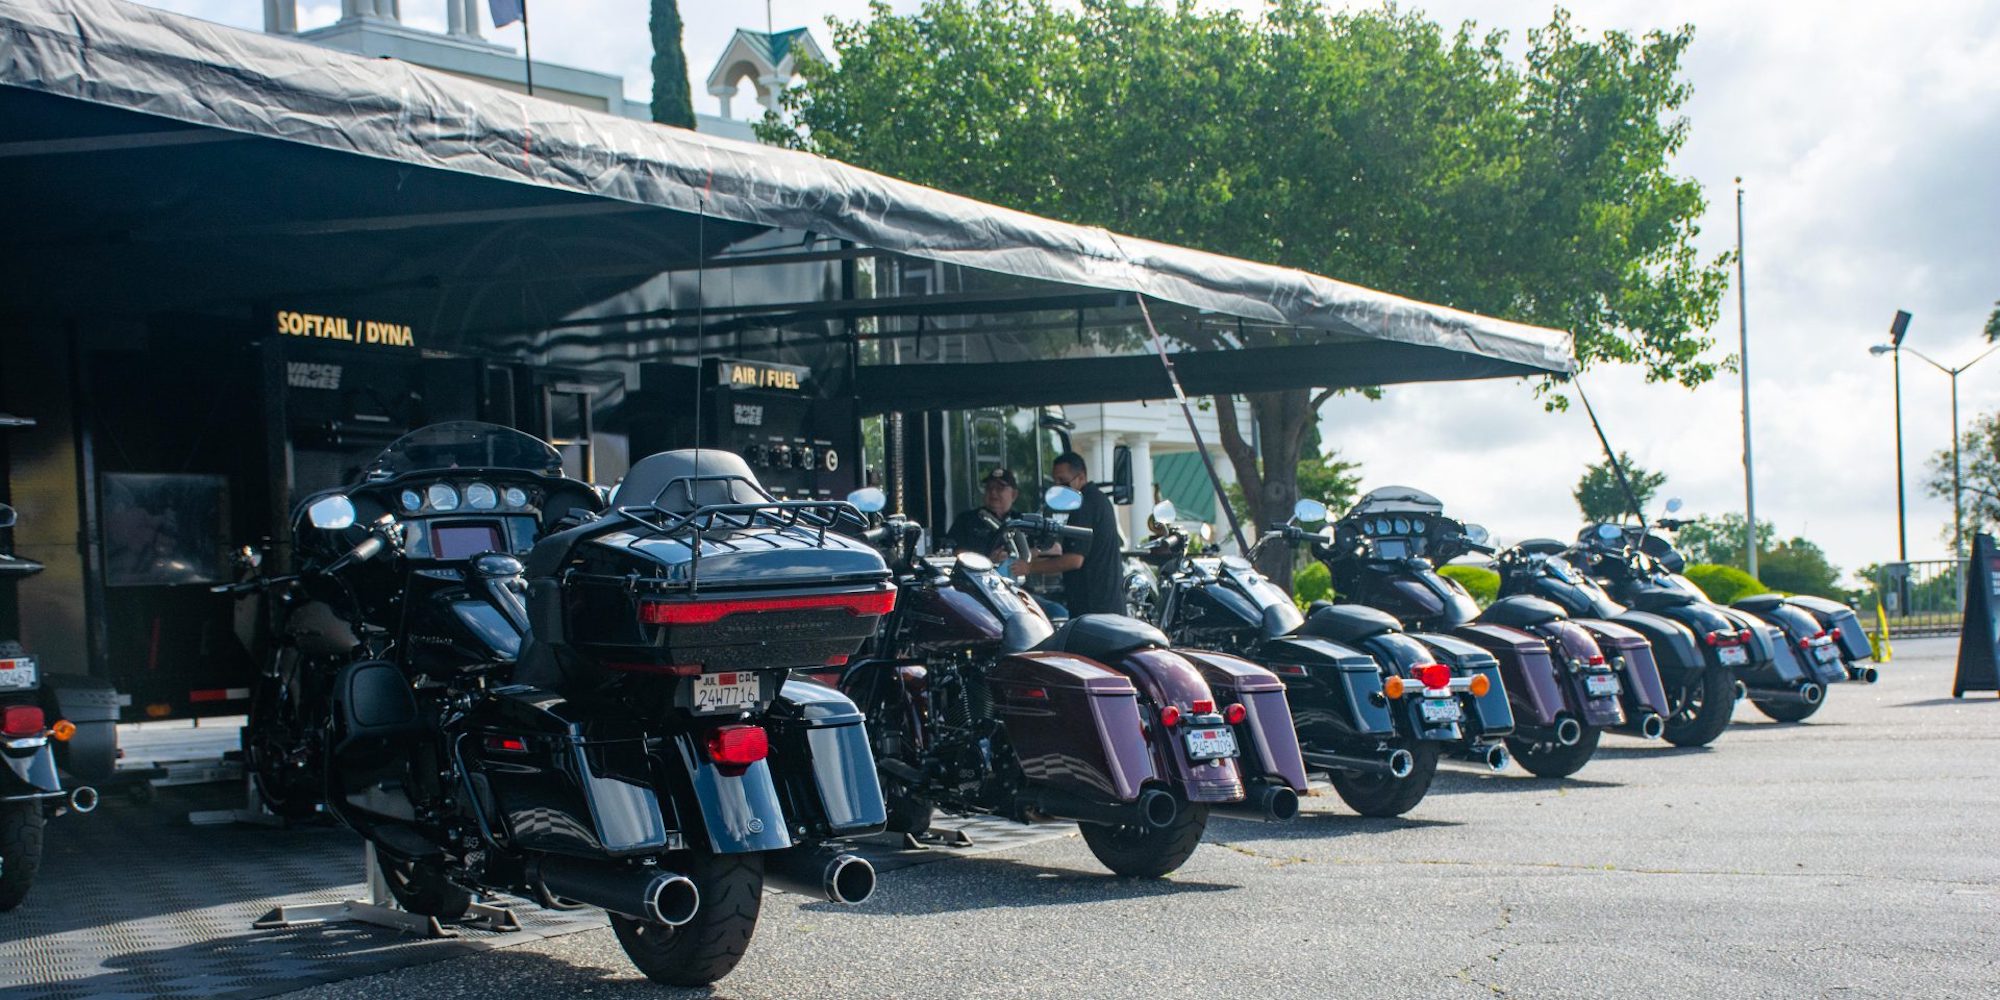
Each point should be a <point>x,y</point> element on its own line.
<point>1543,547</point>
<point>1103,637</point>
<point>1348,623</point>
<point>1521,611</point>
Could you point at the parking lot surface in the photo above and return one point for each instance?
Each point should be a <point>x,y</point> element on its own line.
<point>1855,855</point>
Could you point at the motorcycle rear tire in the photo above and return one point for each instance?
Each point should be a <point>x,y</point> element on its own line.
<point>708,947</point>
<point>911,815</point>
<point>20,850</point>
<point>1552,760</point>
<point>1787,711</point>
<point>1382,796</point>
<point>1148,852</point>
<point>424,890</point>
<point>285,791</point>
<point>1712,693</point>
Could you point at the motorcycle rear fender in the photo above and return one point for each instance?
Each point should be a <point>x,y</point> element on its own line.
<point>1773,661</point>
<point>740,810</point>
<point>1167,678</point>
<point>1638,675</point>
<point>1576,645</point>
<point>1340,694</point>
<point>1488,715</point>
<point>33,766</point>
<point>1268,741</point>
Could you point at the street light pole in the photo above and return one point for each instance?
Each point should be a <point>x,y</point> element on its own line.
<point>1957,476</point>
<point>1897,328</point>
<point>1743,356</point>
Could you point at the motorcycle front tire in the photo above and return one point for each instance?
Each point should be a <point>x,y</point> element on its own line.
<point>1698,710</point>
<point>1147,852</point>
<point>708,947</point>
<point>20,850</point>
<point>1382,796</point>
<point>1553,760</point>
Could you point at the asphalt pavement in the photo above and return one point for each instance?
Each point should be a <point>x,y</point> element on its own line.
<point>1854,855</point>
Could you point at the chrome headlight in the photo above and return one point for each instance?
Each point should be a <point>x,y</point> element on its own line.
<point>442,496</point>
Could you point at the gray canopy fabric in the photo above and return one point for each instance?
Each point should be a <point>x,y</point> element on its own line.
<point>188,71</point>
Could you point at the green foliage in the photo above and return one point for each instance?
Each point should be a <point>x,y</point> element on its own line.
<point>1483,583</point>
<point>1312,583</point>
<point>1724,584</point>
<point>1719,540</point>
<point>1799,567</point>
<point>1600,498</point>
<point>1327,478</point>
<point>1371,145</point>
<point>672,103</point>
<point>1979,453</point>
<point>1993,323</point>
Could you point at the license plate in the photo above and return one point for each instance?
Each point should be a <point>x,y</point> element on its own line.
<point>1600,685</point>
<point>725,692</point>
<point>1734,656</point>
<point>1211,744</point>
<point>1826,653</point>
<point>1441,710</point>
<point>18,673</point>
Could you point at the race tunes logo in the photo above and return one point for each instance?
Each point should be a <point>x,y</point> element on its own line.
<point>354,331</point>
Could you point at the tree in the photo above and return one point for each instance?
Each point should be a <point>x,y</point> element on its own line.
<point>1979,453</point>
<point>1719,540</point>
<point>1369,145</point>
<point>1327,478</point>
<point>1993,323</point>
<point>1600,497</point>
<point>672,103</point>
<point>1799,567</point>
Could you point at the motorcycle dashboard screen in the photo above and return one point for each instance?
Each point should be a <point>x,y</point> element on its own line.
<point>463,541</point>
<point>1392,548</point>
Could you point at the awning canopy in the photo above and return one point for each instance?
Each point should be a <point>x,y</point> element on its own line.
<point>171,164</point>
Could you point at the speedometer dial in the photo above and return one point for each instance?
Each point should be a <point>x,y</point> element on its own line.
<point>480,496</point>
<point>516,496</point>
<point>442,496</point>
<point>412,500</point>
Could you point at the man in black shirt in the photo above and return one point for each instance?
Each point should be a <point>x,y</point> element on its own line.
<point>979,529</point>
<point>1090,575</point>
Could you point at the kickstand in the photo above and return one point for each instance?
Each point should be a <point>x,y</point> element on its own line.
<point>937,836</point>
<point>380,910</point>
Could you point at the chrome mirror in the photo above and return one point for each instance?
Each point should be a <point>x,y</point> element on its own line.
<point>1309,511</point>
<point>1062,498</point>
<point>868,499</point>
<point>331,513</point>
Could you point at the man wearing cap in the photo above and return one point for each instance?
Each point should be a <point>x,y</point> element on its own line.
<point>1091,572</point>
<point>981,529</point>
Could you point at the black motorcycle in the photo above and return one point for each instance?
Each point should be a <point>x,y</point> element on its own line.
<point>1370,715</point>
<point>31,789</point>
<point>584,708</point>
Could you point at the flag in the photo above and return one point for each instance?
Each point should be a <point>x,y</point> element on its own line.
<point>1880,640</point>
<point>506,12</point>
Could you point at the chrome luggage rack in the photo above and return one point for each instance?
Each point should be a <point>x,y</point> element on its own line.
<point>690,527</point>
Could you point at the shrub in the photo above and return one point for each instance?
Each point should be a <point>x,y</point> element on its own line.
<point>1482,582</point>
<point>1724,584</point>
<point>1313,583</point>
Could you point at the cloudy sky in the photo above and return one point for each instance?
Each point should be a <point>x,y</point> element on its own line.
<point>1868,139</point>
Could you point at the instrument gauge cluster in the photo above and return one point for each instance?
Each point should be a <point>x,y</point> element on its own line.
<point>445,498</point>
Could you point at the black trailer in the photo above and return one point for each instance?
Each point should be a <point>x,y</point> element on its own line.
<point>237,265</point>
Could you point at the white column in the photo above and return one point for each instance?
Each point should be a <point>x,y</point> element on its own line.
<point>722,96</point>
<point>771,85</point>
<point>281,17</point>
<point>1142,484</point>
<point>462,18</point>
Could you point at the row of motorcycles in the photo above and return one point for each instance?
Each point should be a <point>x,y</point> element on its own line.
<point>662,699</point>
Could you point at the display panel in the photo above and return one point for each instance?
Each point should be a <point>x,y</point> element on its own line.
<point>463,541</point>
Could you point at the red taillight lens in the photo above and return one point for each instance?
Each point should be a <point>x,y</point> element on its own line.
<point>654,612</point>
<point>1743,636</point>
<point>1597,660</point>
<point>511,743</point>
<point>1434,675</point>
<point>1235,714</point>
<point>22,720</point>
<point>1170,716</point>
<point>1202,706</point>
<point>1805,643</point>
<point>1835,634</point>
<point>738,746</point>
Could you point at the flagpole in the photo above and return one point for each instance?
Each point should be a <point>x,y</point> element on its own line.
<point>527,48</point>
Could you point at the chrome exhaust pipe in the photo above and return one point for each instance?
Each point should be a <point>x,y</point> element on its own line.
<point>1493,755</point>
<point>1807,693</point>
<point>1742,691</point>
<point>1866,675</point>
<point>1387,764</point>
<point>1569,732</point>
<point>83,798</point>
<point>1401,763</point>
<point>835,876</point>
<point>1649,726</point>
<point>1155,808</point>
<point>662,897</point>
<point>1263,802</point>
<point>1159,808</point>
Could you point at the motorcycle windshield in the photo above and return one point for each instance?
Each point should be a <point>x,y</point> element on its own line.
<point>465,444</point>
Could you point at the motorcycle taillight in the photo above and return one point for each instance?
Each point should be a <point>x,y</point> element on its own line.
<point>738,746</point>
<point>22,720</point>
<point>1434,676</point>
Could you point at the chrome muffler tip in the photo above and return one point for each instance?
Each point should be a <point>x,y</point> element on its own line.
<point>1812,694</point>
<point>1497,757</point>
<point>1867,675</point>
<point>850,880</point>
<point>1401,763</point>
<point>1652,727</point>
<point>1742,690</point>
<point>1281,804</point>
<point>83,798</point>
<point>1569,732</point>
<point>1158,808</point>
<point>671,899</point>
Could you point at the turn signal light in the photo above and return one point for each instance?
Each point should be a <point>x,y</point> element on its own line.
<point>22,720</point>
<point>1235,714</point>
<point>1743,635</point>
<point>739,746</point>
<point>1434,675</point>
<point>1170,716</point>
<point>1480,685</point>
<point>1202,706</point>
<point>62,730</point>
<point>1835,633</point>
<point>1392,688</point>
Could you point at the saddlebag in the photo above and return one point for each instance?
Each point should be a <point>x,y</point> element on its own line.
<point>1266,737</point>
<point>547,776</point>
<point>1632,657</point>
<point>821,747</point>
<point>1334,690</point>
<point>1167,678</point>
<point>1836,617</point>
<point>1526,667</point>
<point>1074,725</point>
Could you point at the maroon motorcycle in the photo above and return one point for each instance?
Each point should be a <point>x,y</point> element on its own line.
<point>977,704</point>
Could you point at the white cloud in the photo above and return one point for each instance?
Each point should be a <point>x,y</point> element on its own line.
<point>1868,136</point>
